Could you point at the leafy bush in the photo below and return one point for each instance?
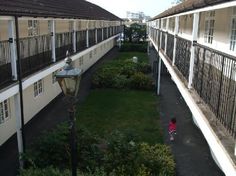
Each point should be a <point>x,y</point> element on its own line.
<point>140,47</point>
<point>158,159</point>
<point>120,153</point>
<point>51,149</point>
<point>122,74</point>
<point>49,171</point>
<point>144,68</point>
<point>121,157</point>
<point>141,81</point>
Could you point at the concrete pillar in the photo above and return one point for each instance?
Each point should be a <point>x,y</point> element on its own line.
<point>87,38</point>
<point>74,36</point>
<point>96,35</point>
<point>17,115</point>
<point>175,39</point>
<point>159,76</point>
<point>11,34</point>
<point>194,39</point>
<point>53,40</point>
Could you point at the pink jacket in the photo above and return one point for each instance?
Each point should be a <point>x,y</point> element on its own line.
<point>172,127</point>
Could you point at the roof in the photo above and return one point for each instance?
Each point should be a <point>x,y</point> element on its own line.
<point>55,8</point>
<point>188,5</point>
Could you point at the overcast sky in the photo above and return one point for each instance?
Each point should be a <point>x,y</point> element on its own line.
<point>120,7</point>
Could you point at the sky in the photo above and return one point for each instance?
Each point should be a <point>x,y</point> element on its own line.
<point>120,7</point>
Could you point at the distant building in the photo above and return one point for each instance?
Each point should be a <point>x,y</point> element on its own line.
<point>138,17</point>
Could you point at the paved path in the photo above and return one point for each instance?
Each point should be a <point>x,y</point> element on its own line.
<point>46,120</point>
<point>190,149</point>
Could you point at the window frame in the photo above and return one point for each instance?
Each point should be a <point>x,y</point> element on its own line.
<point>38,88</point>
<point>209,27</point>
<point>233,17</point>
<point>33,28</point>
<point>5,113</point>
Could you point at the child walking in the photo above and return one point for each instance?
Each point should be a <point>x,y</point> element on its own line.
<point>172,129</point>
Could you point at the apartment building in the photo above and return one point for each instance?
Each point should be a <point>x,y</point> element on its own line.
<point>34,38</point>
<point>196,42</point>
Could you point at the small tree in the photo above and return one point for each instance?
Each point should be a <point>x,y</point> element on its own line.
<point>135,33</point>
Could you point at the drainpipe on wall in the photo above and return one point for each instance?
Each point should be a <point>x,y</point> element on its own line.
<point>21,109</point>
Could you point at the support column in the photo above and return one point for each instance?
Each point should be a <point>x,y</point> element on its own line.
<point>74,36</point>
<point>87,37</point>
<point>96,35</point>
<point>159,76</point>
<point>11,34</point>
<point>107,32</point>
<point>102,34</point>
<point>175,39</point>
<point>194,40</point>
<point>167,28</point>
<point>19,128</point>
<point>53,40</point>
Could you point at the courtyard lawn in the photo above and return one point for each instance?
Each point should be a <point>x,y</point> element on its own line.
<point>106,110</point>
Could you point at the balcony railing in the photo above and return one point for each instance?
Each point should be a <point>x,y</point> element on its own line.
<point>163,39</point>
<point>63,43</point>
<point>99,35</point>
<point>81,40</point>
<point>170,46</point>
<point>35,53</point>
<point>104,33</point>
<point>215,82</point>
<point>5,63</point>
<point>92,36</point>
<point>182,57</point>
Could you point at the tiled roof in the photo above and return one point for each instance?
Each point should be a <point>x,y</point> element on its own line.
<point>188,6</point>
<point>55,8</point>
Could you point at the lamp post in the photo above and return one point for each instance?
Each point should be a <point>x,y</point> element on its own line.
<point>69,80</point>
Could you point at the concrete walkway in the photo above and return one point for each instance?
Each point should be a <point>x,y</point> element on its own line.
<point>191,151</point>
<point>47,119</point>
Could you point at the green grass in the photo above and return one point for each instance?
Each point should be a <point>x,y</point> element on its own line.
<point>106,110</point>
<point>128,55</point>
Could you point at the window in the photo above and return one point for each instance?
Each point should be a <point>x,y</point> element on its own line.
<point>233,31</point>
<point>33,27</point>
<point>4,111</point>
<point>38,88</point>
<point>209,27</point>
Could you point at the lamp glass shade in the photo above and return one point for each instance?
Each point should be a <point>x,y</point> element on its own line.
<point>69,81</point>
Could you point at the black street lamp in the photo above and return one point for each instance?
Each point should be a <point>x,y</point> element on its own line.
<point>69,80</point>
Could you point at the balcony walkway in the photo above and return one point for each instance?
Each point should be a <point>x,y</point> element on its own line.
<point>190,149</point>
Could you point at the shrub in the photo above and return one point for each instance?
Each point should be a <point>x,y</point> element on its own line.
<point>158,159</point>
<point>49,171</point>
<point>121,82</point>
<point>144,68</point>
<point>121,157</point>
<point>141,81</point>
<point>51,149</point>
<point>140,47</point>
